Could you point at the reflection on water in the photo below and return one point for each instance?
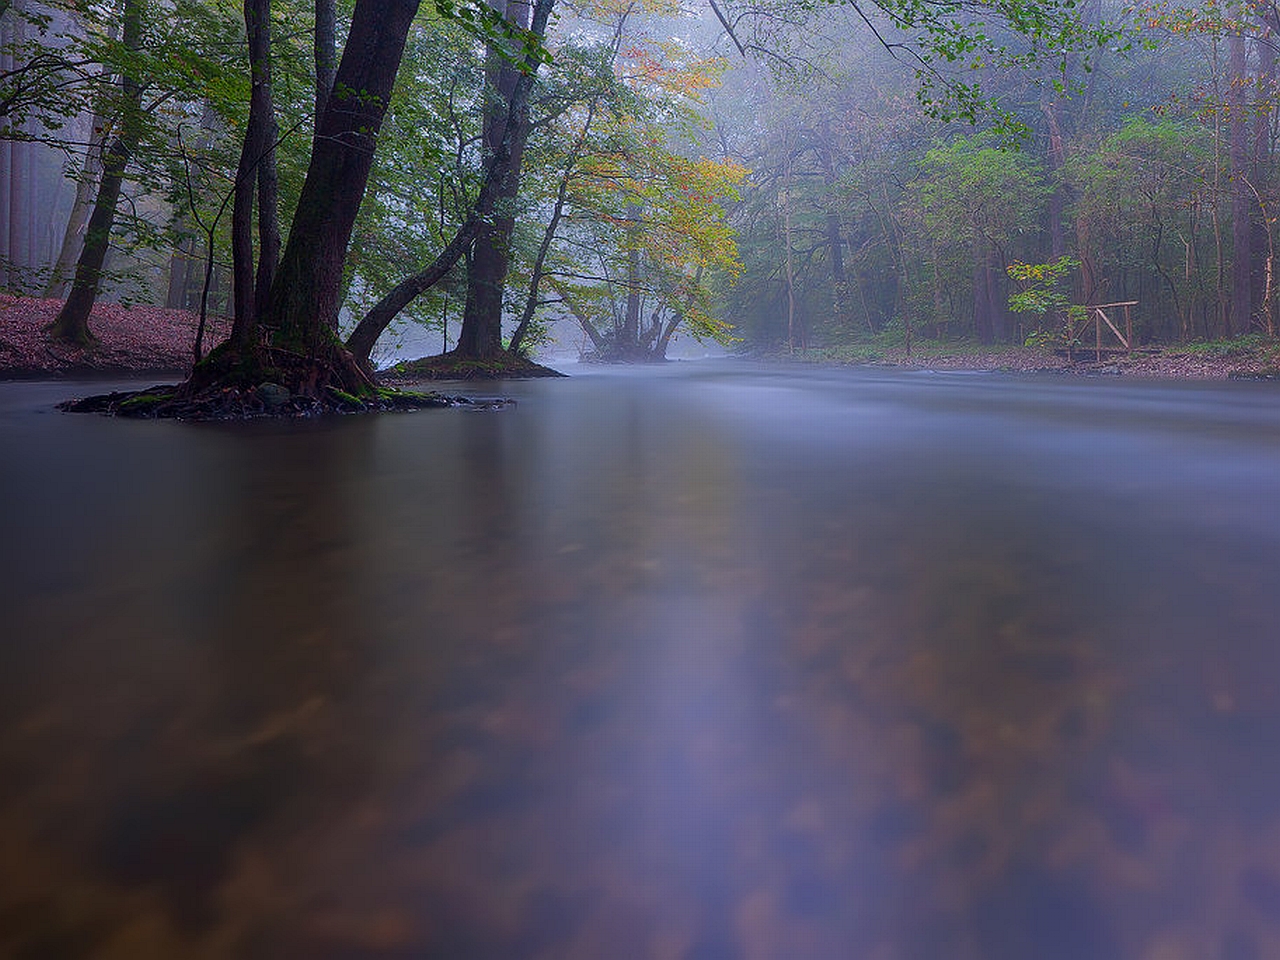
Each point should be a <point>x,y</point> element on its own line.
<point>705,664</point>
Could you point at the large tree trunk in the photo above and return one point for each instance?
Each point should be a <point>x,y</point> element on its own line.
<point>301,310</point>
<point>268,209</point>
<point>1241,231</point>
<point>303,306</point>
<point>481,334</point>
<point>72,322</point>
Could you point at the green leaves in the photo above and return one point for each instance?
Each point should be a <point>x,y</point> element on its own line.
<point>1039,286</point>
<point>519,46</point>
<point>956,46</point>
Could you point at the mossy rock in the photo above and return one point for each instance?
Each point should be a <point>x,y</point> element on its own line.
<point>449,366</point>
<point>145,403</point>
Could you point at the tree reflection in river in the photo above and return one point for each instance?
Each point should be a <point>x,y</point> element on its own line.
<point>709,664</point>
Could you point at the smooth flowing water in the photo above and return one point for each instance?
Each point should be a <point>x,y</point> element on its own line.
<point>715,662</point>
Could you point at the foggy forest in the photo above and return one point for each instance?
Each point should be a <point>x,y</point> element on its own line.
<point>640,479</point>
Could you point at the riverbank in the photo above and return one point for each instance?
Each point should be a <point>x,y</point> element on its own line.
<point>146,340</point>
<point>130,340</point>
<point>154,341</point>
<point>1249,358</point>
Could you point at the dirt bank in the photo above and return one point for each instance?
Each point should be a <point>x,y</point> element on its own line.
<point>137,339</point>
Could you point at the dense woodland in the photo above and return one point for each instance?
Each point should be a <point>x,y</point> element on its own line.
<point>780,174</point>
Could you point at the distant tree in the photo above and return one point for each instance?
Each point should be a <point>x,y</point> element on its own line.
<point>72,322</point>
<point>976,196</point>
<point>1143,204</point>
<point>638,230</point>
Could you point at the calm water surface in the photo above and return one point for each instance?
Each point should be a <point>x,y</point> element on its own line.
<point>715,662</point>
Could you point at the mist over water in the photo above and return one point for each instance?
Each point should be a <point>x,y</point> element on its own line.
<point>706,662</point>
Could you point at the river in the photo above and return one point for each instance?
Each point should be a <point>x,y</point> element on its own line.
<point>711,662</point>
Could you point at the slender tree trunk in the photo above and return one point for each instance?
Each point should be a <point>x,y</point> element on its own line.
<point>180,263</point>
<point>1057,199</point>
<point>997,296</point>
<point>371,325</point>
<point>255,154</point>
<point>598,341</point>
<point>81,207</point>
<point>548,235</point>
<point>787,264</point>
<point>677,317</point>
<point>268,207</point>
<point>981,294</point>
<point>628,344</point>
<point>834,239</point>
<point>72,322</point>
<point>1263,268</point>
<point>1241,230</point>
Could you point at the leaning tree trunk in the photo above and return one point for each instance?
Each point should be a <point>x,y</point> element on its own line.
<point>303,306</point>
<point>379,317</point>
<point>72,322</point>
<point>301,310</point>
<point>481,334</point>
<point>81,207</point>
<point>549,234</point>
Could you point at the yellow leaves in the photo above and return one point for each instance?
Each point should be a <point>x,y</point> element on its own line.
<point>667,67</point>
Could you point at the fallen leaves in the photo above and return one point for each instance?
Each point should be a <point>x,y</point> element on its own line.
<point>137,339</point>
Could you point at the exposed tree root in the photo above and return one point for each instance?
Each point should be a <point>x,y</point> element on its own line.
<point>267,400</point>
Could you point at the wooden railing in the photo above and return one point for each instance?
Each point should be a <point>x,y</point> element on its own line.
<point>1097,312</point>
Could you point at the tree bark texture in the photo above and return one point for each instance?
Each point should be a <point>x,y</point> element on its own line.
<point>325,52</point>
<point>303,304</point>
<point>254,156</point>
<point>481,334</point>
<point>1263,268</point>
